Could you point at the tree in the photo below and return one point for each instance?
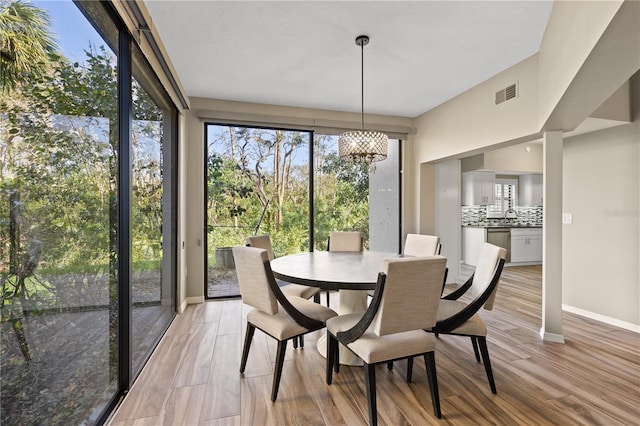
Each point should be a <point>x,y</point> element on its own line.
<point>26,51</point>
<point>26,43</point>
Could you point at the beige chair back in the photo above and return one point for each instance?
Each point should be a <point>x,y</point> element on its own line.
<point>345,241</point>
<point>252,278</point>
<point>421,245</point>
<point>263,242</point>
<point>411,294</point>
<point>487,261</point>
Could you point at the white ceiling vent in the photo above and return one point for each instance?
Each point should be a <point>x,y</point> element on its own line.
<point>509,92</point>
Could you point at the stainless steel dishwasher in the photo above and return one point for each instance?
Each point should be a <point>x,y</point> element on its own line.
<point>500,237</point>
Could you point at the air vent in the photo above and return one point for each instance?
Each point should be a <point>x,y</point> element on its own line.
<point>507,93</point>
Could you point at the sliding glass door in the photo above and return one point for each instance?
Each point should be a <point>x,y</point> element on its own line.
<point>257,182</point>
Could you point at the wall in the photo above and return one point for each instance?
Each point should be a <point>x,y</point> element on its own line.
<point>447,218</point>
<point>515,158</point>
<point>579,28</point>
<point>600,248</point>
<point>470,122</point>
<point>579,66</point>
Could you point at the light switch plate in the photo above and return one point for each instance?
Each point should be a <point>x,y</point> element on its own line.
<point>567,218</point>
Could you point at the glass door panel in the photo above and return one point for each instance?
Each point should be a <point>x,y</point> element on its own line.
<point>257,182</point>
<point>152,270</point>
<point>58,228</point>
<point>341,193</point>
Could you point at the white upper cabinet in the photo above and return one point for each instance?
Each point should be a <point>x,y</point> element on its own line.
<point>478,188</point>
<point>530,190</point>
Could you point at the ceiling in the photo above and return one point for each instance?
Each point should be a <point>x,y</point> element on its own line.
<point>303,53</point>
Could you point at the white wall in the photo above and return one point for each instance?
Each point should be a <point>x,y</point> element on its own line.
<point>600,248</point>
<point>447,204</point>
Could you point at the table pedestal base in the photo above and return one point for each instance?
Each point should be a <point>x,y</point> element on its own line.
<point>350,301</point>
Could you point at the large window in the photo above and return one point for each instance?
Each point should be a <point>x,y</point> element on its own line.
<point>258,181</point>
<point>86,268</point>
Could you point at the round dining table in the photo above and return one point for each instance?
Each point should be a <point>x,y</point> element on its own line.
<point>352,273</point>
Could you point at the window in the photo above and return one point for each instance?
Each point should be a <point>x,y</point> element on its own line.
<point>505,191</point>
<point>87,219</point>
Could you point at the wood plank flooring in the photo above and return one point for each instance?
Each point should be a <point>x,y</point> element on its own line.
<point>593,379</point>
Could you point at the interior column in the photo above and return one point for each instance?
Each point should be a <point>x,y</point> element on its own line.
<point>551,330</point>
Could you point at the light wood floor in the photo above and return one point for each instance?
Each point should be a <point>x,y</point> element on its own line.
<point>193,379</point>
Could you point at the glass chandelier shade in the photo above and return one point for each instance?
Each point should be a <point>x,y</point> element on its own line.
<point>363,146</point>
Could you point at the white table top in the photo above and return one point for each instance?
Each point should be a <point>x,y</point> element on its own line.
<point>332,270</point>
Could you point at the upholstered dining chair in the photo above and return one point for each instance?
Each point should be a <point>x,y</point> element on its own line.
<point>421,245</point>
<point>462,319</point>
<point>344,241</point>
<point>283,318</point>
<point>304,291</point>
<point>405,302</point>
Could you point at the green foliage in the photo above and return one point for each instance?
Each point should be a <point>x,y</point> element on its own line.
<point>249,170</point>
<point>26,44</point>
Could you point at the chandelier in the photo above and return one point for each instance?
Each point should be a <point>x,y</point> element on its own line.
<point>363,146</point>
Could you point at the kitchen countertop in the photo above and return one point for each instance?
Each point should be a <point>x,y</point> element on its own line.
<point>501,225</point>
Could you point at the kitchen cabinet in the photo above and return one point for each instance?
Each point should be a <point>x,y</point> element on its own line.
<point>530,190</point>
<point>478,188</point>
<point>526,245</point>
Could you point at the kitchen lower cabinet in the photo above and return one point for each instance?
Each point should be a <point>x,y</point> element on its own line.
<point>526,245</point>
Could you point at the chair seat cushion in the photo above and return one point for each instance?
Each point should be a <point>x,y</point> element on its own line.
<point>474,326</point>
<point>298,290</point>
<point>373,349</point>
<point>282,326</point>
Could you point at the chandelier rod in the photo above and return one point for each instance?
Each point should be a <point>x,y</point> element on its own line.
<point>362,41</point>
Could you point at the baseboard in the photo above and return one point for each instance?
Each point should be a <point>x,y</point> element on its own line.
<point>194,300</point>
<point>551,337</point>
<point>602,318</point>
<point>182,306</point>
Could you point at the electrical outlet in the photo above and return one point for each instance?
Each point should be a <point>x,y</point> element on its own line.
<point>567,218</point>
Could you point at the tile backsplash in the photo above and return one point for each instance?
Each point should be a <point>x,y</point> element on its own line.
<point>474,215</point>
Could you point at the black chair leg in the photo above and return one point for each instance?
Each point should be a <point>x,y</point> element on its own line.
<point>295,342</point>
<point>370,380</point>
<point>474,342</point>
<point>331,358</point>
<point>282,349</point>
<point>328,299</point>
<point>430,364</point>
<point>247,344</point>
<point>316,298</point>
<point>336,356</point>
<point>482,342</point>
<point>409,369</point>
<point>389,365</point>
<point>301,340</point>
